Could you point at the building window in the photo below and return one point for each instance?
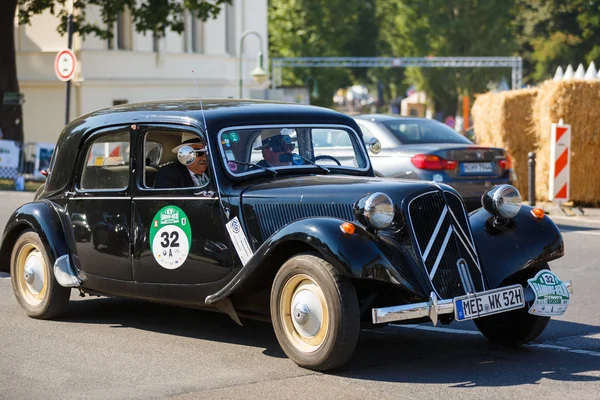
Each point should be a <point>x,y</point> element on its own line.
<point>155,43</point>
<point>230,39</point>
<point>122,32</point>
<point>194,34</point>
<point>118,102</point>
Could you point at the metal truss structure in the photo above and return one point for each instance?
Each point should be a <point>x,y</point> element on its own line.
<point>515,63</point>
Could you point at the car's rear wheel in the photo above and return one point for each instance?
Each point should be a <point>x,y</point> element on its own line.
<point>315,313</point>
<point>33,282</point>
<point>517,327</point>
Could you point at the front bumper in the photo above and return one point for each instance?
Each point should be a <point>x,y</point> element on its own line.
<point>433,308</point>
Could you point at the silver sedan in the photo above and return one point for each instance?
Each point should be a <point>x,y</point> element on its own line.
<point>419,148</point>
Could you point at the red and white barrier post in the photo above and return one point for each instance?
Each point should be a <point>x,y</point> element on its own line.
<point>560,160</point>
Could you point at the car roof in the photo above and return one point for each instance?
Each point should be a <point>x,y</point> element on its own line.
<point>386,117</point>
<point>216,112</point>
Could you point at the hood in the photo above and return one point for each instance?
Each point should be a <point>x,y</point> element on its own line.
<point>277,203</point>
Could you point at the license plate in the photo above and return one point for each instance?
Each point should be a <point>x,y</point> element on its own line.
<point>494,301</point>
<point>476,168</point>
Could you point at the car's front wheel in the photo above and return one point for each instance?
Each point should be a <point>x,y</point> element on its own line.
<point>315,313</point>
<point>517,327</point>
<point>33,281</point>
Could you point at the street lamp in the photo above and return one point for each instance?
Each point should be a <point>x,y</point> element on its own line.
<point>258,73</point>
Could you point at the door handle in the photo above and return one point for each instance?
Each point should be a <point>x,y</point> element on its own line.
<point>206,193</point>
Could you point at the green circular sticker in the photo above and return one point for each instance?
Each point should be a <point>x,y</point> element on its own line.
<point>234,137</point>
<point>170,237</point>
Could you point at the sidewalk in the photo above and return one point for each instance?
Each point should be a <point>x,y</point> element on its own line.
<point>580,213</point>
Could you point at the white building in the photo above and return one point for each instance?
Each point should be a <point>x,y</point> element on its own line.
<point>133,67</point>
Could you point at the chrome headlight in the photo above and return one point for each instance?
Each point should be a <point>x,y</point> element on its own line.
<point>502,201</point>
<point>377,209</point>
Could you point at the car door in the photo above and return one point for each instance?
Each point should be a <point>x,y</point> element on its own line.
<point>100,208</point>
<point>179,235</point>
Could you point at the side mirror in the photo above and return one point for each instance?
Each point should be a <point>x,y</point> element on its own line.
<point>374,145</point>
<point>186,155</point>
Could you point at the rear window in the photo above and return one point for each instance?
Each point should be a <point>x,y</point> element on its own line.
<point>423,131</point>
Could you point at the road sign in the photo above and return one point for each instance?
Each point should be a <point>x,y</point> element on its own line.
<point>64,65</point>
<point>560,160</point>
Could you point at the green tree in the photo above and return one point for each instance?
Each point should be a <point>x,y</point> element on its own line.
<point>151,16</point>
<point>322,28</point>
<point>557,32</point>
<point>451,28</point>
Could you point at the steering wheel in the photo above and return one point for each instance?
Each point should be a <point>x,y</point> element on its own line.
<point>326,157</point>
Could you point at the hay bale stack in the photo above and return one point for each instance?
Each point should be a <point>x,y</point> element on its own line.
<point>503,119</point>
<point>577,102</point>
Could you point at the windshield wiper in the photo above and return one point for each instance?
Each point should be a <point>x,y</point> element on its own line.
<point>254,165</point>
<point>315,164</point>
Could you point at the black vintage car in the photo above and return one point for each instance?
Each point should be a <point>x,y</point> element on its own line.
<point>245,207</point>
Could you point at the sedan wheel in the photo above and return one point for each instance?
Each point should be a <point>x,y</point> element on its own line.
<point>33,282</point>
<point>315,313</point>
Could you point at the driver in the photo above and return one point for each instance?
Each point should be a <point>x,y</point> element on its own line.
<point>277,147</point>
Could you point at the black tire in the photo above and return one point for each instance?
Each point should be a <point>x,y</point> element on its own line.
<point>45,300</point>
<point>336,338</point>
<point>518,327</point>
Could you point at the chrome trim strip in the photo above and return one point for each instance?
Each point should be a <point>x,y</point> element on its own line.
<point>435,233</point>
<point>101,198</point>
<point>441,253</point>
<point>462,230</point>
<point>465,276</point>
<point>469,251</point>
<point>466,219</point>
<point>175,198</point>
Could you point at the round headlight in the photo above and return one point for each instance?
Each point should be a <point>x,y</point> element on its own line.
<point>379,210</point>
<point>502,201</point>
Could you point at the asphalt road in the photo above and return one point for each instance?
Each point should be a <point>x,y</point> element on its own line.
<point>124,349</point>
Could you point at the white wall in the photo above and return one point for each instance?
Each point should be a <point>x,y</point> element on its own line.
<point>138,75</point>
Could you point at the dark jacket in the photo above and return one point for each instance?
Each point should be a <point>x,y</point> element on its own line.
<point>174,175</point>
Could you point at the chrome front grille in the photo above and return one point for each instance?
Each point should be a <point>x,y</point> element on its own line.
<point>443,240</point>
<point>272,217</point>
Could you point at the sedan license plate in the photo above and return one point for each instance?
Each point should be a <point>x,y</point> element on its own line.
<point>495,301</point>
<point>477,168</point>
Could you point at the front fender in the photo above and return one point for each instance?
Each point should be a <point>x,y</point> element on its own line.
<point>523,242</point>
<point>357,255</point>
<point>49,221</point>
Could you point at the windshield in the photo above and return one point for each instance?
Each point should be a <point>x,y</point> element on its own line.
<point>277,148</point>
<point>423,131</point>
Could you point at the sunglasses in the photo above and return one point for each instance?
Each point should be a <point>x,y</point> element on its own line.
<point>283,148</point>
<point>281,144</point>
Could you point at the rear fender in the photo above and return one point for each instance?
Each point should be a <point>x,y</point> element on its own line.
<point>49,221</point>
<point>521,243</point>
<point>356,256</point>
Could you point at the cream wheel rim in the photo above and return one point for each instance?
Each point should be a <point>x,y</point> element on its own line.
<point>304,313</point>
<point>31,274</point>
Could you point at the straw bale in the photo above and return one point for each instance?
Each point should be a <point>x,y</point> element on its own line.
<point>577,102</point>
<point>504,119</point>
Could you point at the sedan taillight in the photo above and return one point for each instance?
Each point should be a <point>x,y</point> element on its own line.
<point>505,163</point>
<point>433,163</point>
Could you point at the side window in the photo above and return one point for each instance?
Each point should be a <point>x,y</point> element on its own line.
<point>107,163</point>
<point>367,134</point>
<point>163,170</point>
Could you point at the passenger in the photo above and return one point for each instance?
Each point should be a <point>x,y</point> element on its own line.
<point>177,175</point>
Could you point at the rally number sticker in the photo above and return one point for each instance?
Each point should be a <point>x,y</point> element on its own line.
<point>170,237</point>
<point>551,295</point>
